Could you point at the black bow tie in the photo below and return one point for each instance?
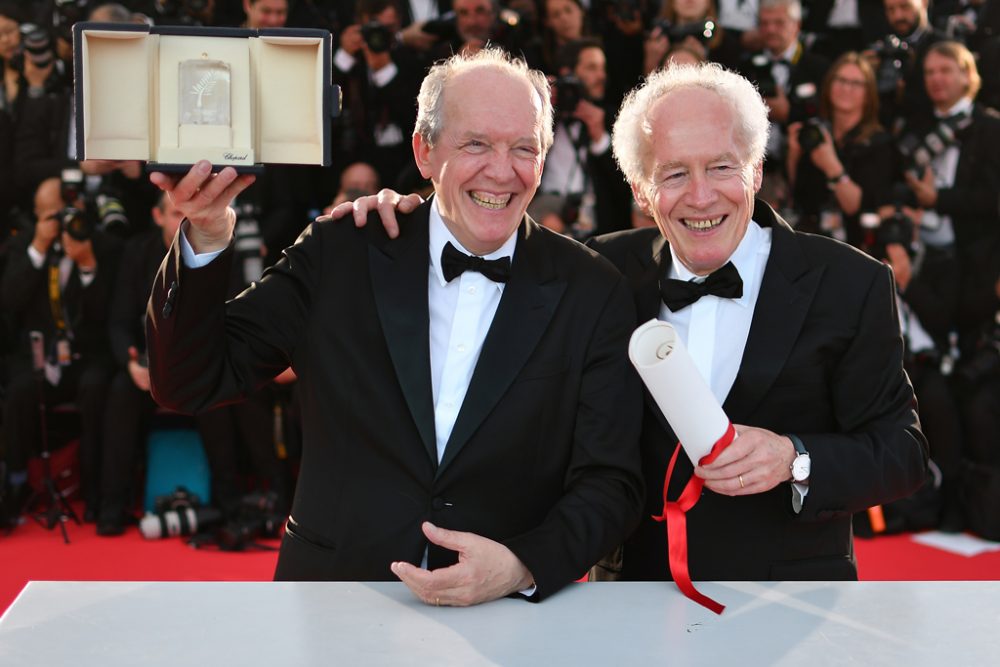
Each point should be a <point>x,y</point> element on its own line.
<point>454,263</point>
<point>724,282</point>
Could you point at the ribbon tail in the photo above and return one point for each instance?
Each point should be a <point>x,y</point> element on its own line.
<point>677,549</point>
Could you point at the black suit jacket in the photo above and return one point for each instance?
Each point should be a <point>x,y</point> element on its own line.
<point>543,456</point>
<point>823,360</point>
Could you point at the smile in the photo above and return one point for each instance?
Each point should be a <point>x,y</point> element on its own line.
<point>702,225</point>
<point>490,201</point>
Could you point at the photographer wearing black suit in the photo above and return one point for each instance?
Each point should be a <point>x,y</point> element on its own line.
<point>789,78</point>
<point>380,78</point>
<point>582,191</point>
<point>58,284</point>
<point>952,155</point>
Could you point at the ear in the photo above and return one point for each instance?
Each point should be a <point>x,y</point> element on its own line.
<point>640,197</point>
<point>758,176</point>
<point>422,155</point>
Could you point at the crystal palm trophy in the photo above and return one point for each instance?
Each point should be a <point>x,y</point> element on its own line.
<point>203,93</point>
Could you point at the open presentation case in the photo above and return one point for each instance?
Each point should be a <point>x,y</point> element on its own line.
<point>171,96</point>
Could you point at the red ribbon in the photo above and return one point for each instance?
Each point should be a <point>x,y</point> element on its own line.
<point>674,514</point>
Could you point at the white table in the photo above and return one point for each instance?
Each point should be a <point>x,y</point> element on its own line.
<point>102,624</point>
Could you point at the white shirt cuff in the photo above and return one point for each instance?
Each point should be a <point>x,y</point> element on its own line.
<point>88,277</point>
<point>191,260</point>
<point>601,145</point>
<point>37,258</point>
<point>799,493</point>
<point>382,77</point>
<point>344,60</point>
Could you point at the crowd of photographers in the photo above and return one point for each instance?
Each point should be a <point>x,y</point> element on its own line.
<point>883,136</point>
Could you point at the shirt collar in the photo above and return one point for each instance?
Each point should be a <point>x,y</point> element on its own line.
<point>964,105</point>
<point>440,235</point>
<point>743,258</point>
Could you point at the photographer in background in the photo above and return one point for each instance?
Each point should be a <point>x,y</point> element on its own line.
<point>58,283</point>
<point>581,192</point>
<point>380,78</point>
<point>564,22</point>
<point>898,59</point>
<point>952,155</point>
<point>693,24</point>
<point>788,77</point>
<point>840,162</point>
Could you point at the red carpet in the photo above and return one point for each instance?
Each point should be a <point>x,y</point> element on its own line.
<point>31,552</point>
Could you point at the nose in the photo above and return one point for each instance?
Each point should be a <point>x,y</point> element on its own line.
<point>499,165</point>
<point>701,191</point>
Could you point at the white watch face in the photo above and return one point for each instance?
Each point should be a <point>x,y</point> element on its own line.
<point>800,468</point>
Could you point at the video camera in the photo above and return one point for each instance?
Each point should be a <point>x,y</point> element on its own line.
<point>180,513</point>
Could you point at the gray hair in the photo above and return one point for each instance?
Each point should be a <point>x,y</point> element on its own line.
<point>632,137</point>
<point>794,7</point>
<point>430,100</point>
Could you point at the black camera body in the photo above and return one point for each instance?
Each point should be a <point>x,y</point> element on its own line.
<point>85,213</point>
<point>703,31</point>
<point>259,517</point>
<point>570,91</point>
<point>760,72</point>
<point>895,59</point>
<point>178,514</point>
<point>918,149</point>
<point>67,12</point>
<point>377,36</point>
<point>811,134</point>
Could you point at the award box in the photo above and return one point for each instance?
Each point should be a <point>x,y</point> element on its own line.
<point>171,95</point>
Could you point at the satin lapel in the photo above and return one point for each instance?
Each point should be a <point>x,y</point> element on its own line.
<point>786,293</point>
<point>529,300</point>
<point>399,281</point>
<point>643,269</point>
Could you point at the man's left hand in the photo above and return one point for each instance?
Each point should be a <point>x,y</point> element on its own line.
<point>756,461</point>
<point>486,570</point>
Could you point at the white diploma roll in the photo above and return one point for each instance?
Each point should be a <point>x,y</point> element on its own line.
<point>682,395</point>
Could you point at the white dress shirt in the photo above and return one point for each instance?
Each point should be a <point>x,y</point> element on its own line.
<point>715,329</point>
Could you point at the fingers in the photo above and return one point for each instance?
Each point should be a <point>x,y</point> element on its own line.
<point>133,354</point>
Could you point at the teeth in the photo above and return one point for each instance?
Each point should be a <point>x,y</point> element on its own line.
<point>495,202</point>
<point>703,224</point>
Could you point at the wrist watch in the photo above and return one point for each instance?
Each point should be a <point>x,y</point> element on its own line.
<point>801,464</point>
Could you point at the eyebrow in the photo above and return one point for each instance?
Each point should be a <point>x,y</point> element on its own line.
<point>482,137</point>
<point>675,164</point>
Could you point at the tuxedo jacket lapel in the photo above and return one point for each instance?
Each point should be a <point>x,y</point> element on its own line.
<point>644,268</point>
<point>529,300</point>
<point>787,290</point>
<point>399,281</point>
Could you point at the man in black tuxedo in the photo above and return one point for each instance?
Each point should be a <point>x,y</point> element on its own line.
<point>806,358</point>
<point>483,423</point>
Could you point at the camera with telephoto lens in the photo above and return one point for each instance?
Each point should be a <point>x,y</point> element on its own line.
<point>377,36</point>
<point>259,517</point>
<point>36,46</point>
<point>65,13</point>
<point>918,150</point>
<point>895,59</point>
<point>103,211</point>
<point>180,513</point>
<point>703,31</point>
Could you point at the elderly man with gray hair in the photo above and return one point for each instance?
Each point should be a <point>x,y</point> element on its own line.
<point>470,421</point>
<point>796,335</point>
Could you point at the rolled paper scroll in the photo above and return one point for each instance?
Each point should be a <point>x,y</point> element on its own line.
<point>682,395</point>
